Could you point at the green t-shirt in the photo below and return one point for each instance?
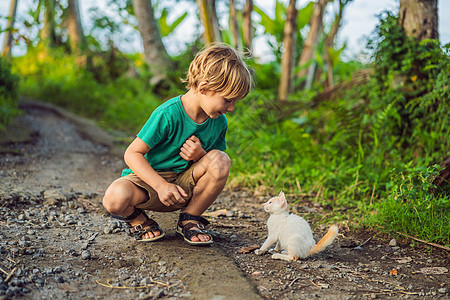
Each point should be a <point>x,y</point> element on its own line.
<point>169,127</point>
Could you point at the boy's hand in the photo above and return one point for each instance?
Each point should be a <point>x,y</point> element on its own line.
<point>192,149</point>
<point>171,194</point>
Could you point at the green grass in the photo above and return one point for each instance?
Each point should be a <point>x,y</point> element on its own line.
<point>413,206</point>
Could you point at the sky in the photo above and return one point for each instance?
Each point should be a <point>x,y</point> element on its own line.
<point>359,21</point>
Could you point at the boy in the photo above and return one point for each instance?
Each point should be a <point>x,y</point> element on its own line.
<point>177,159</point>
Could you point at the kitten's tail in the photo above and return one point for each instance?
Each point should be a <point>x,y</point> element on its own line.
<point>327,239</point>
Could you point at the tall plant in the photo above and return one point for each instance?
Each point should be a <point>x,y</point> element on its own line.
<point>275,26</point>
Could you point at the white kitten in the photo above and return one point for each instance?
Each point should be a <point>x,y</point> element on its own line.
<point>291,232</point>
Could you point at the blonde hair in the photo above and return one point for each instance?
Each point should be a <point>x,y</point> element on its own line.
<point>223,70</point>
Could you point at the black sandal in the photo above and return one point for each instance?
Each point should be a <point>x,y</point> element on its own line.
<point>138,231</point>
<point>187,232</point>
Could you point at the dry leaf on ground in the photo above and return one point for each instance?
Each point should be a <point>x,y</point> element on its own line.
<point>403,260</point>
<point>248,249</point>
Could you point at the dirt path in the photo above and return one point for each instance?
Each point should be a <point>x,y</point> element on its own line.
<point>56,241</point>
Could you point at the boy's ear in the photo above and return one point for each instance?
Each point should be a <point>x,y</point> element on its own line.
<point>202,87</point>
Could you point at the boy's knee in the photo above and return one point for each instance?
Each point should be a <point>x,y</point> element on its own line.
<point>219,163</point>
<point>116,198</point>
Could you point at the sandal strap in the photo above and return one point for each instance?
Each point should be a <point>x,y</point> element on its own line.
<point>136,213</point>
<point>188,232</point>
<point>140,227</point>
<point>188,217</point>
<point>138,231</point>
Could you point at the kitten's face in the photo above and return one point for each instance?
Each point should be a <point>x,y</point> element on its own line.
<point>276,204</point>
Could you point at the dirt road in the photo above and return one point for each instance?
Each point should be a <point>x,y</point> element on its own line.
<point>56,241</point>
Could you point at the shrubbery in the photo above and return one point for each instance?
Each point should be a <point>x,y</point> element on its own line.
<point>8,94</point>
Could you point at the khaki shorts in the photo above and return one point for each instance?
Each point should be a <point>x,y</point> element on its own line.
<point>184,179</point>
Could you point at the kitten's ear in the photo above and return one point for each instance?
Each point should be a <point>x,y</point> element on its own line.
<point>282,200</point>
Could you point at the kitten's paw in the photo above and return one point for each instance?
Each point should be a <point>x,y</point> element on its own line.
<point>259,252</point>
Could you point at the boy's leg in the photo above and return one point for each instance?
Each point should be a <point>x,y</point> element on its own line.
<point>211,174</point>
<point>120,199</point>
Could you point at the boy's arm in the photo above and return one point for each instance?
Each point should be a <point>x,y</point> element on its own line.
<point>168,193</point>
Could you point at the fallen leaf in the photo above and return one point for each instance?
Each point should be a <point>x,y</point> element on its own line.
<point>403,260</point>
<point>217,213</point>
<point>433,270</point>
<point>394,272</point>
<point>245,250</point>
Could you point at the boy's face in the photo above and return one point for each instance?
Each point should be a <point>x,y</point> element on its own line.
<point>214,104</point>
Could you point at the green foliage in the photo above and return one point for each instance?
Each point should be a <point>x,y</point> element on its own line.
<point>167,28</point>
<point>342,151</point>
<point>123,103</point>
<point>413,207</point>
<point>8,94</point>
<point>409,92</point>
<point>275,27</point>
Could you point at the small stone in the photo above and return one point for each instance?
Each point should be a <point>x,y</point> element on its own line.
<point>443,290</point>
<point>230,213</point>
<point>256,273</point>
<point>156,293</point>
<point>86,254</point>
<point>393,243</point>
<point>145,282</point>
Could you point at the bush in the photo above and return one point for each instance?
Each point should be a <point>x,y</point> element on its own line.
<point>8,94</point>
<point>413,207</point>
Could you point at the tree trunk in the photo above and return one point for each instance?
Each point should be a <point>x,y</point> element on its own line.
<point>419,18</point>
<point>311,40</point>
<point>48,35</point>
<point>76,36</point>
<point>329,41</point>
<point>248,27</point>
<point>287,59</point>
<point>215,20</point>
<point>234,26</point>
<point>155,53</point>
<point>7,41</point>
<point>208,16</point>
